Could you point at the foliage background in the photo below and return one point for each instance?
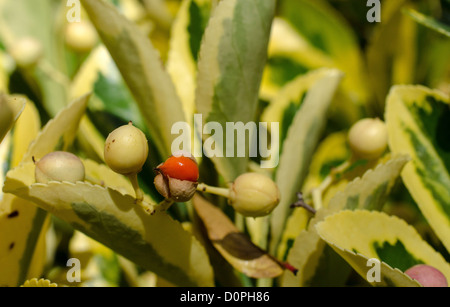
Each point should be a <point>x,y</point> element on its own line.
<point>324,50</point>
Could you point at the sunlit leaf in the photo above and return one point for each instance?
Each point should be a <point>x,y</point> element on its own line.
<point>142,70</point>
<point>59,132</point>
<point>39,283</point>
<point>318,23</point>
<point>288,100</point>
<point>20,239</point>
<point>367,192</point>
<point>155,242</point>
<point>25,131</point>
<point>301,141</point>
<point>185,40</point>
<point>383,237</point>
<point>23,222</point>
<point>331,152</point>
<point>26,18</point>
<point>232,55</point>
<point>24,252</point>
<point>10,109</point>
<point>429,22</point>
<point>110,96</point>
<point>289,55</point>
<point>3,73</point>
<point>418,124</point>
<point>99,265</point>
<point>396,62</point>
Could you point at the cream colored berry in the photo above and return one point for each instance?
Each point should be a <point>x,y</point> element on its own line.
<point>126,150</point>
<point>26,52</point>
<point>81,36</point>
<point>427,276</point>
<point>59,166</point>
<point>254,194</point>
<point>368,138</point>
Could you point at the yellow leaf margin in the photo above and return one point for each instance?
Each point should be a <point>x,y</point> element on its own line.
<point>358,230</point>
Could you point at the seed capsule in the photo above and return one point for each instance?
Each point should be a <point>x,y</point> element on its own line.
<point>254,194</point>
<point>59,166</point>
<point>368,138</point>
<point>180,167</point>
<point>126,150</point>
<point>176,178</point>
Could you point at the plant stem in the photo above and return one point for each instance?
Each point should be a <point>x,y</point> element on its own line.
<point>317,192</point>
<point>164,205</point>
<point>213,190</point>
<point>134,182</point>
<point>149,208</point>
<point>301,203</point>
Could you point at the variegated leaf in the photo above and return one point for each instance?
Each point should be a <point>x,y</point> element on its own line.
<point>377,235</point>
<point>366,192</point>
<point>231,60</point>
<point>142,70</point>
<point>155,242</point>
<point>301,141</point>
<point>418,121</point>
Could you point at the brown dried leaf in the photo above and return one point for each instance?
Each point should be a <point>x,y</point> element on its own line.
<point>235,246</point>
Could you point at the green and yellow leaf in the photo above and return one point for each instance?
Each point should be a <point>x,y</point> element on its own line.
<point>301,141</point>
<point>4,80</point>
<point>231,60</point>
<point>83,82</point>
<point>288,100</point>
<point>418,124</point>
<point>25,18</point>
<point>155,242</point>
<point>10,109</point>
<point>59,132</point>
<point>185,40</point>
<point>331,152</point>
<point>289,55</point>
<point>99,265</point>
<point>317,45</point>
<point>393,63</point>
<point>40,283</point>
<point>25,131</point>
<point>368,192</point>
<point>386,238</point>
<point>19,220</point>
<point>24,224</point>
<point>429,22</point>
<point>141,68</point>
<point>22,247</point>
